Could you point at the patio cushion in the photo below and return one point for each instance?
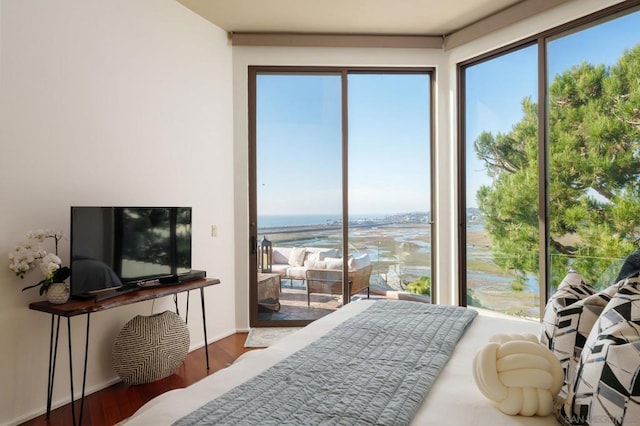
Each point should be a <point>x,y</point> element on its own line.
<point>315,264</point>
<point>279,269</point>
<point>281,255</point>
<point>359,261</point>
<point>296,271</point>
<point>296,258</point>
<point>315,254</point>
<point>293,262</point>
<point>333,262</point>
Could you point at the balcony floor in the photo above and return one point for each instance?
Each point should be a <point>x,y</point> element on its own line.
<point>293,302</point>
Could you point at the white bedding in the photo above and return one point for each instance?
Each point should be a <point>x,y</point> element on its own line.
<point>453,399</point>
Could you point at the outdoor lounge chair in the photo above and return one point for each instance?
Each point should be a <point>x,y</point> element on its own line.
<point>329,281</point>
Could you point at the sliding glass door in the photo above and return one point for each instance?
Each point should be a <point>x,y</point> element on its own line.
<point>340,189</point>
<point>298,178</point>
<point>389,179</point>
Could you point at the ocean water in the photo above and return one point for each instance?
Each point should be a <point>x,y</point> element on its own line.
<point>280,220</point>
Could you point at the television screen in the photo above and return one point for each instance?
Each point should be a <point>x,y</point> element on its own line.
<point>114,246</point>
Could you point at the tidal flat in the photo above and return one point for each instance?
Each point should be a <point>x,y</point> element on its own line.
<point>401,253</point>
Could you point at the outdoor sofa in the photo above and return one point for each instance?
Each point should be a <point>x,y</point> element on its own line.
<point>321,269</point>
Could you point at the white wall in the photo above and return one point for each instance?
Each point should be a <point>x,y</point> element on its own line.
<point>243,57</point>
<point>108,103</point>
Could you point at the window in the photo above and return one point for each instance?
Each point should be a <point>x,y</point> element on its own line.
<point>501,152</point>
<point>593,149</point>
<point>533,217</point>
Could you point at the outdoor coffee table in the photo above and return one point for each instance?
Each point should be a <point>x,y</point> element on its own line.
<point>269,291</point>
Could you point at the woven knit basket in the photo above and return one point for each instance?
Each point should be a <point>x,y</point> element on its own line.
<point>150,348</point>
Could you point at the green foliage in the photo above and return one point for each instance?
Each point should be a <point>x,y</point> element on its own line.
<point>518,286</point>
<point>58,276</point>
<point>472,300</point>
<point>594,170</point>
<point>421,286</point>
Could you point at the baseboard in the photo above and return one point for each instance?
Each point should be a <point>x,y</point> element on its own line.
<point>212,340</point>
<point>57,403</point>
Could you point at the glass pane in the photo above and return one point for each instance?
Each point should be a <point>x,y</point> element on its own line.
<point>501,169</point>
<point>299,190</point>
<point>594,156</point>
<point>389,181</point>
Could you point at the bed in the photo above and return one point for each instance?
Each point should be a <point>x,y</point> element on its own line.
<point>452,399</point>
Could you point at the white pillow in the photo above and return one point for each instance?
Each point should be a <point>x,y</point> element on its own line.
<point>328,253</point>
<point>333,262</point>
<point>296,258</point>
<point>315,254</point>
<point>359,261</point>
<point>281,255</point>
<point>315,264</point>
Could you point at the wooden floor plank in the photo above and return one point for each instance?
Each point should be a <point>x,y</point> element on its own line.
<point>119,401</point>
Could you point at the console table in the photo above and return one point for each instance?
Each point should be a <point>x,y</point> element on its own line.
<point>87,307</point>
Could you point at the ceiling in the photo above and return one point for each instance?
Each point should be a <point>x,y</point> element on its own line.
<point>377,17</point>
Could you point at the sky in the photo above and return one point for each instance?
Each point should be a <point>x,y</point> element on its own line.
<point>299,126</point>
<point>495,88</point>
<point>299,139</point>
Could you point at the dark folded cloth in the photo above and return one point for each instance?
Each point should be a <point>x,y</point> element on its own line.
<point>630,267</point>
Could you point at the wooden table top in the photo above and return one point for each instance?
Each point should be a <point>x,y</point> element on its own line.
<point>78,307</point>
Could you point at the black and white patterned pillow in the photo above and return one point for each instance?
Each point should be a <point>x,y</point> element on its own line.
<point>572,288</point>
<point>574,324</point>
<point>607,387</point>
<point>559,324</point>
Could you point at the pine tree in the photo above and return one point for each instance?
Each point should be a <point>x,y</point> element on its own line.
<point>594,166</point>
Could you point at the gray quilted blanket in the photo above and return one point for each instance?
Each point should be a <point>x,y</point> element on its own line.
<point>374,368</point>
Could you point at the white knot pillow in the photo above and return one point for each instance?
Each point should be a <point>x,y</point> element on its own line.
<point>519,374</point>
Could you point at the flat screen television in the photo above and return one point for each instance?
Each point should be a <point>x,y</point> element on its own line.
<point>121,246</point>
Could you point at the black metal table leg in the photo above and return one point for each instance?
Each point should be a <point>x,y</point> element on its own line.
<point>186,315</point>
<point>84,374</point>
<point>73,409</point>
<point>53,355</point>
<point>204,326</point>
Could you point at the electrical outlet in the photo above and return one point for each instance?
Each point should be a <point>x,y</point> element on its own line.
<point>214,230</point>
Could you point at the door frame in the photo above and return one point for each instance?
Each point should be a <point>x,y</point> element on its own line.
<point>253,72</point>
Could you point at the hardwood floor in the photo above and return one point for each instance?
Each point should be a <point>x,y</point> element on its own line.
<point>117,402</point>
